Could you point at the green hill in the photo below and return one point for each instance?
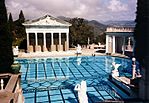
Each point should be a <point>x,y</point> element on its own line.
<point>98,29</point>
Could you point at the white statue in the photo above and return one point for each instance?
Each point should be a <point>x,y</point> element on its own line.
<point>82,88</point>
<point>78,61</point>
<point>15,51</point>
<point>115,72</point>
<point>79,51</point>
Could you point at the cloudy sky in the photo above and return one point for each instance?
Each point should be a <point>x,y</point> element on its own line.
<point>100,10</point>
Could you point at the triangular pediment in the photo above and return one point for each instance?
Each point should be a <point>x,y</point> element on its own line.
<point>47,20</point>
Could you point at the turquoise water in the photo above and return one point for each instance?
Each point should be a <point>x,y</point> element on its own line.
<point>52,80</point>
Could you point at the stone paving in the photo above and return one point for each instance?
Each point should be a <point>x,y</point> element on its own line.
<point>85,52</point>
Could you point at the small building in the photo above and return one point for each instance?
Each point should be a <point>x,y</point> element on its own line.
<point>119,40</point>
<point>47,34</point>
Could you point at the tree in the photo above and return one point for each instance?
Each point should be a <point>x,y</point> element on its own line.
<point>10,20</point>
<point>19,31</point>
<point>80,31</point>
<point>3,14</point>
<point>101,38</point>
<point>141,36</point>
<point>11,24</point>
<point>6,54</point>
<point>141,31</point>
<point>12,27</point>
<point>21,17</point>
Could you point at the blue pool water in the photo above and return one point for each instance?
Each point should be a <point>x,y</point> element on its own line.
<point>52,80</point>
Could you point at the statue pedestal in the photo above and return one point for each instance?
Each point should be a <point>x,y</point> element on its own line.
<point>30,48</point>
<point>38,48</point>
<point>53,47</point>
<point>115,73</point>
<point>45,48</point>
<point>60,47</point>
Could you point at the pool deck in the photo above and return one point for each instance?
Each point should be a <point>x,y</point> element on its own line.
<point>85,52</point>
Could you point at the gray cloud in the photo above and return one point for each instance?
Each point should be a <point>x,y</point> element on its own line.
<point>100,10</point>
<point>117,6</point>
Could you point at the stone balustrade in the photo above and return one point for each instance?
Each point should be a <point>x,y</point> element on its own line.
<point>11,91</point>
<point>119,29</point>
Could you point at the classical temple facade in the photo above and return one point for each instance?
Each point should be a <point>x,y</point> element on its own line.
<point>47,34</point>
<point>119,40</point>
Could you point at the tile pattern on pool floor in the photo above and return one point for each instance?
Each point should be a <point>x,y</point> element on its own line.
<point>52,80</point>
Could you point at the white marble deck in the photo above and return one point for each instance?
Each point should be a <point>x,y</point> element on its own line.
<point>85,52</point>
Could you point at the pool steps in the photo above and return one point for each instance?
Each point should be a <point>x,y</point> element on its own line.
<point>124,86</point>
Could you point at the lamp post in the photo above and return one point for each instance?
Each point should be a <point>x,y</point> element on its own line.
<point>133,68</point>
<point>2,84</point>
<point>88,40</point>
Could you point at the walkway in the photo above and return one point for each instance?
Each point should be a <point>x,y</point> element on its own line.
<point>85,52</point>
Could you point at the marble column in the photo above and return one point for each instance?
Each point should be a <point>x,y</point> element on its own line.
<point>123,48</point>
<point>59,38</point>
<point>44,42</point>
<point>36,42</point>
<point>67,41</point>
<point>60,43</point>
<point>27,41</point>
<point>107,43</point>
<point>52,41</point>
<point>53,47</point>
<point>113,45</point>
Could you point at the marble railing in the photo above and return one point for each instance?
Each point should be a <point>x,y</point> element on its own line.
<point>10,88</point>
<point>119,29</point>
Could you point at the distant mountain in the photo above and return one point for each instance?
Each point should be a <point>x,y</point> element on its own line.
<point>96,23</point>
<point>99,28</point>
<point>64,18</point>
<point>127,23</point>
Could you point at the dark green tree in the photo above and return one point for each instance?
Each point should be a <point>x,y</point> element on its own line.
<point>11,23</point>
<point>3,14</point>
<point>141,33</point>
<point>80,31</point>
<point>101,39</point>
<point>6,54</point>
<point>10,20</point>
<point>12,27</point>
<point>21,17</point>
<point>19,31</point>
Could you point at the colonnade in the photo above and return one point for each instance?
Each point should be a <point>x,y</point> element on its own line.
<point>53,46</point>
<point>111,44</point>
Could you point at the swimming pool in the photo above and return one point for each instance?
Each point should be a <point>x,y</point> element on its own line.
<point>52,80</point>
